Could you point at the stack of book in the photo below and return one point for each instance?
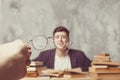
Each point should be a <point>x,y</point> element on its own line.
<point>102,58</point>
<point>34,69</point>
<point>103,68</point>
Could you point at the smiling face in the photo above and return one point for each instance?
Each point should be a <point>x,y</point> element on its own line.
<point>60,40</point>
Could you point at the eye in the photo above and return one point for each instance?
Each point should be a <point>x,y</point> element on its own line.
<point>64,37</point>
<point>57,36</point>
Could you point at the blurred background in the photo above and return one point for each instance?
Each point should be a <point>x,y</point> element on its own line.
<point>94,24</point>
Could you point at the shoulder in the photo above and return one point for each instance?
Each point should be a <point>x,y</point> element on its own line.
<point>76,51</point>
<point>48,51</point>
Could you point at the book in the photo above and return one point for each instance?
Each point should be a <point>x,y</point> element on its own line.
<point>31,74</point>
<point>105,63</point>
<point>31,69</point>
<point>105,76</point>
<point>36,64</point>
<point>102,57</point>
<point>102,60</point>
<point>99,66</point>
<point>34,71</point>
<point>103,54</point>
<point>52,72</point>
<point>104,70</point>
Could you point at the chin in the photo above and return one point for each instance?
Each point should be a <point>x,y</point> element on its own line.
<point>61,48</point>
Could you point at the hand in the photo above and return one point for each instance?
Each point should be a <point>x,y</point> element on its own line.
<point>14,59</point>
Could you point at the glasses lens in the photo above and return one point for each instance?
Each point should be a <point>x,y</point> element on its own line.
<point>39,42</point>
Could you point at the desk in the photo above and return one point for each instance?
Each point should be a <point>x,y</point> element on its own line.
<point>72,77</point>
<point>37,78</point>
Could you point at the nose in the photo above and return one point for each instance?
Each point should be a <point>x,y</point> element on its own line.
<point>60,38</point>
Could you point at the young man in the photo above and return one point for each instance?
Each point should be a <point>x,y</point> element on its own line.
<point>62,58</point>
<point>14,58</point>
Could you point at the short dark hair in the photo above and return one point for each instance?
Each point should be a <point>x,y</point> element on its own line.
<point>60,29</point>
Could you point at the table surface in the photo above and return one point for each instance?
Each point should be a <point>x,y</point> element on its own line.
<point>65,77</point>
<point>38,78</point>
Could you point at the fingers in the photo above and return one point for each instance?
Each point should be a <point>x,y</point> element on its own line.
<point>25,51</point>
<point>28,61</point>
<point>28,48</point>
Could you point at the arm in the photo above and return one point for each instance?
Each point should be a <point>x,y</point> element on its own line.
<point>80,62</point>
<point>13,60</point>
<point>84,62</point>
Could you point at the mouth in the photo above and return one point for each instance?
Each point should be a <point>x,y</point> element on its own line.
<point>61,44</point>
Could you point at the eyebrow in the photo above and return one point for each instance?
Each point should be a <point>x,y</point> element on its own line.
<point>60,35</point>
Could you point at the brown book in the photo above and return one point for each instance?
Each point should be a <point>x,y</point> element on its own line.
<point>104,70</point>
<point>99,66</point>
<point>102,60</point>
<point>54,73</point>
<point>102,57</point>
<point>31,74</point>
<point>103,54</point>
<point>34,71</point>
<point>105,76</point>
<point>105,63</point>
<point>36,64</point>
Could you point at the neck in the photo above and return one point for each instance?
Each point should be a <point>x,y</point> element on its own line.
<point>61,53</point>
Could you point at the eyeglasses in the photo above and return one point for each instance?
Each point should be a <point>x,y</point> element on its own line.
<point>39,42</point>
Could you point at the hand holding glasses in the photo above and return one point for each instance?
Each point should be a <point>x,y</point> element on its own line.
<point>40,42</point>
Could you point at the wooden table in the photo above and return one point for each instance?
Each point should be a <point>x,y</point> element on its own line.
<point>38,78</point>
<point>72,77</point>
<point>65,77</point>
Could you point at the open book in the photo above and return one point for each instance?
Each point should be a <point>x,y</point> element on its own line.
<point>57,73</point>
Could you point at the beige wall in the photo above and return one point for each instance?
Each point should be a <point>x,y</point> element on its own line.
<point>94,24</point>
